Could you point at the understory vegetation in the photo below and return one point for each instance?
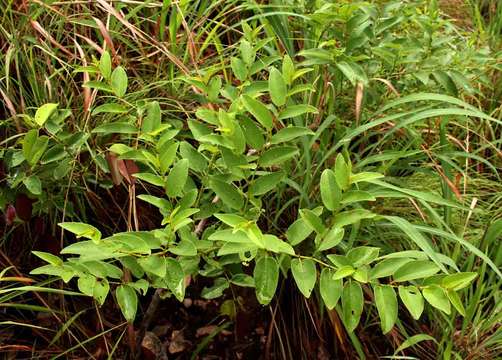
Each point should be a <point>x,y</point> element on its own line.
<point>240,179</point>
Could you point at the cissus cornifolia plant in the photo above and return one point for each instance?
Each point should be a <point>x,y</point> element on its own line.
<point>228,175</point>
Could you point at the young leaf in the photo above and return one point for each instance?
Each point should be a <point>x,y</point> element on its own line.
<point>119,81</point>
<point>386,303</point>
<point>288,69</point>
<point>259,111</point>
<point>86,284</point>
<point>330,289</point>
<point>343,272</point>
<point>266,276</point>
<point>352,304</point>
<point>330,191</point>
<point>436,296</point>
<point>305,275</point>
<point>175,181</point>
<point>128,301</point>
<point>277,87</point>
<point>44,112</point>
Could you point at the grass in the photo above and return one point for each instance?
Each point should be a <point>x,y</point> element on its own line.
<point>166,47</point>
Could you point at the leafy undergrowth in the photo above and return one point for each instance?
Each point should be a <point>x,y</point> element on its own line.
<point>239,179</point>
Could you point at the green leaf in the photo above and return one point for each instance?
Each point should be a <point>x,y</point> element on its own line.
<point>252,133</point>
<point>345,218</point>
<point>116,127</point>
<point>105,65</point>
<point>332,238</point>
<point>436,296</point>
<point>184,248</point>
<point>44,112</point>
<point>119,81</point>
<point>418,238</point>
<point>362,255</point>
<point>258,110</point>
<point>353,196</point>
<point>386,303</point>
<point>277,87</point>
<point>228,193</point>
<point>236,248</point>
<point>343,272</point>
<point>288,69</point>
<point>98,85</point>
<point>151,122</point>
<point>109,108</point>
<point>342,172</point>
<point>247,52</point>
<point>167,155</point>
<point>177,178</point>
<point>215,291</point>
<point>416,269</point>
<point>330,289</point>
<point>175,278</point>
<point>266,276</point>
<point>456,302</point>
<point>196,161</point>
<point>330,191</point>
<point>82,230</point>
<point>352,304</point>
<point>277,155</point>
<point>242,280</point>
<point>34,146</point>
<point>266,183</point>
<point>154,264</point>
<point>290,133</point>
<point>239,68</point>
<point>47,257</point>
<point>296,110</point>
<point>312,220</point>
<point>128,301</point>
<point>33,184</point>
<point>86,284</point>
<point>150,178</point>
<point>387,267</point>
<point>364,177</point>
<point>305,275</point>
<point>458,281</point>
<point>273,243</point>
<point>101,290</point>
<point>415,339</point>
<point>297,232</point>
